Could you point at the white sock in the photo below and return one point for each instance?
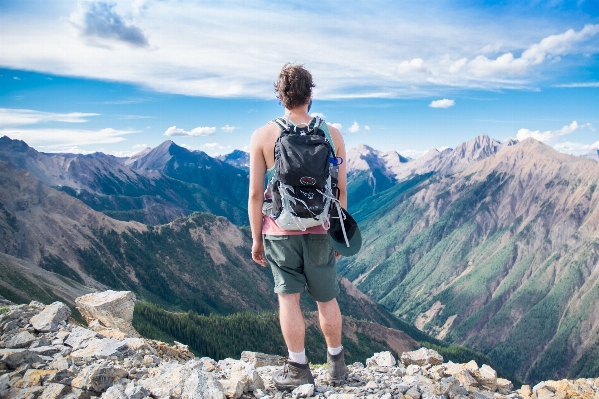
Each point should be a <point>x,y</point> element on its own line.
<point>335,351</point>
<point>298,357</point>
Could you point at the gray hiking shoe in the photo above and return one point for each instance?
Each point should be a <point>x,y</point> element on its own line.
<point>292,376</point>
<point>337,371</point>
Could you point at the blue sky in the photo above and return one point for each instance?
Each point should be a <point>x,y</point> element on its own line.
<point>85,76</point>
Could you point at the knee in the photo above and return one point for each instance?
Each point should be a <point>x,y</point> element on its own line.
<point>289,299</point>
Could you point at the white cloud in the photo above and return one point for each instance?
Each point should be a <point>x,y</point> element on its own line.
<point>550,134</point>
<point>16,78</point>
<point>354,128</point>
<point>337,126</point>
<point>491,48</point>
<point>212,147</point>
<point>576,148</point>
<point>445,103</point>
<point>415,66</point>
<point>317,114</point>
<point>367,128</point>
<point>186,146</point>
<point>198,131</point>
<point>457,66</point>
<point>58,140</point>
<point>581,84</point>
<point>21,117</point>
<point>200,56</point>
<point>553,45</point>
<point>140,146</point>
<point>412,153</point>
<point>228,128</point>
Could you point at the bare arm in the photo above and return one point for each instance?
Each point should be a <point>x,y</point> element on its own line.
<point>256,196</point>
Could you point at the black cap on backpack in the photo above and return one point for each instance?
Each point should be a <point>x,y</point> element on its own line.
<point>352,231</point>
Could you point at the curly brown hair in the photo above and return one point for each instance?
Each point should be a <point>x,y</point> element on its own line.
<point>294,86</point>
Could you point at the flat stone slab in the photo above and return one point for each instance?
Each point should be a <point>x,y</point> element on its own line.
<point>15,357</point>
<point>20,340</point>
<point>101,349</point>
<point>113,309</point>
<point>49,319</point>
<point>79,337</point>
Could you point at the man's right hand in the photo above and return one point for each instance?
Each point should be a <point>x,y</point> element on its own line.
<point>258,252</point>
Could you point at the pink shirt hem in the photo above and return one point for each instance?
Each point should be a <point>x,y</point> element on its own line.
<point>270,227</point>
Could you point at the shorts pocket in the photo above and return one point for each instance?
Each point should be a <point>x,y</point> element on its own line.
<point>320,250</point>
<point>276,249</point>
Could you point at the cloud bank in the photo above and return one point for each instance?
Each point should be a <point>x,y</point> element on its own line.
<point>200,56</point>
<point>198,131</point>
<point>22,117</point>
<point>551,134</point>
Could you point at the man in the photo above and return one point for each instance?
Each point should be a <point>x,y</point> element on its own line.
<point>299,259</point>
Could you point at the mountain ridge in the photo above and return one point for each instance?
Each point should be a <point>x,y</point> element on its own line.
<point>455,253</point>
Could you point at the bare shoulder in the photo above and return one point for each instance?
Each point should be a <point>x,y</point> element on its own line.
<point>265,134</point>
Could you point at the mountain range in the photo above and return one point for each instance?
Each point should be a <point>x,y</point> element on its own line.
<point>477,245</point>
<point>501,255</point>
<point>55,247</point>
<point>154,186</point>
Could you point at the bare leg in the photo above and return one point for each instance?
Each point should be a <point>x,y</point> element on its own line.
<point>292,321</point>
<point>330,322</point>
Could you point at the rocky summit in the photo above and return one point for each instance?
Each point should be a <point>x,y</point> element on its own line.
<point>46,354</point>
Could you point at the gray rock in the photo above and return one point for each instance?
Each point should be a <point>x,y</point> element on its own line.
<point>403,387</point>
<point>260,359</point>
<point>421,357</point>
<point>113,309</point>
<point>47,350</point>
<point>13,358</point>
<point>204,364</point>
<point>413,393</point>
<point>487,377</point>
<point>115,392</point>
<point>98,377</point>
<point>10,325</point>
<point>504,386</point>
<point>101,349</point>
<point>60,363</point>
<point>79,338</point>
<point>303,391</point>
<point>134,391</point>
<point>54,391</point>
<point>232,388</point>
<point>20,340</point>
<point>26,393</point>
<point>381,359</point>
<point>51,317</point>
<point>452,388</point>
<point>175,380</point>
<point>77,393</point>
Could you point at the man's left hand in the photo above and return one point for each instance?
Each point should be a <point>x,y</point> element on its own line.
<point>258,253</point>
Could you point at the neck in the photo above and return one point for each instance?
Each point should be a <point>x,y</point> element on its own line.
<point>298,114</point>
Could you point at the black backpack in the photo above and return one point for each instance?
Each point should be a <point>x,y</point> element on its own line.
<point>305,178</point>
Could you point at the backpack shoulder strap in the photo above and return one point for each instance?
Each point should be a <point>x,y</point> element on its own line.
<point>281,124</point>
<point>325,128</point>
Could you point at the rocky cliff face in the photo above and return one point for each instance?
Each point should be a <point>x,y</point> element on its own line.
<point>483,257</point>
<point>43,354</point>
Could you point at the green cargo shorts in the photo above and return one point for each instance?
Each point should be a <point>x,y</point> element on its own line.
<point>305,261</point>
